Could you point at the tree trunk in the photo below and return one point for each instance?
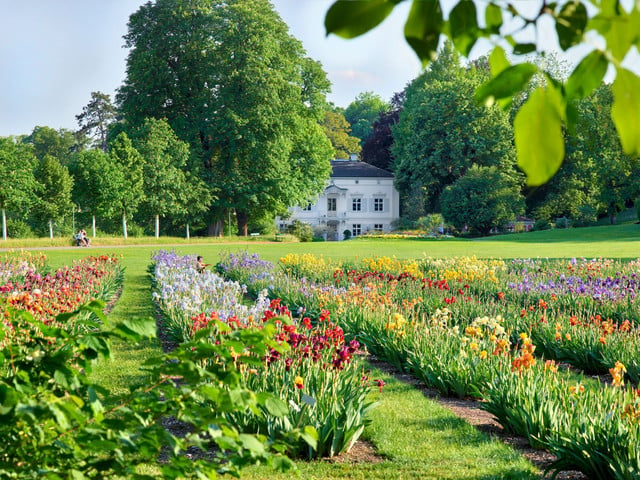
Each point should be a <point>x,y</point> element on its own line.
<point>157,226</point>
<point>124,224</point>
<point>93,226</point>
<point>4,225</point>
<point>188,237</point>
<point>243,221</point>
<point>215,229</point>
<point>51,229</point>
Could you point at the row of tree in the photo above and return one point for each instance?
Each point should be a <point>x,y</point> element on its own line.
<point>221,110</point>
<point>451,155</point>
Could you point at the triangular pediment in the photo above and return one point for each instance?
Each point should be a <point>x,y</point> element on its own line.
<point>335,189</point>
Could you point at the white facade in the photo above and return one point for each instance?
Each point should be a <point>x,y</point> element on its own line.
<point>359,198</point>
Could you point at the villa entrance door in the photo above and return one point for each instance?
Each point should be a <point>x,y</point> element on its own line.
<point>332,231</point>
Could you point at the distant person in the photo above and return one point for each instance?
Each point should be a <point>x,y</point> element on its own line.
<point>80,238</point>
<point>85,239</point>
<point>200,265</point>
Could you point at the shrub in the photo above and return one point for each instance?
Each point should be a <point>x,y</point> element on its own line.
<point>347,234</point>
<point>430,223</point>
<point>586,216</point>
<point>18,229</point>
<point>542,224</point>
<point>134,230</point>
<point>301,230</point>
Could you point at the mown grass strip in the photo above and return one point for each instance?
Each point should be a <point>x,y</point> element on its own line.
<point>418,438</point>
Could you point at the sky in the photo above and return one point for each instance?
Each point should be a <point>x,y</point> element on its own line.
<point>54,54</point>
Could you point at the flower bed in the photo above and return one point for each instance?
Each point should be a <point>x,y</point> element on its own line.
<point>46,295</point>
<point>464,331</point>
<point>309,366</point>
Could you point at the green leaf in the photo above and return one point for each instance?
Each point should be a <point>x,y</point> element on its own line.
<point>275,406</point>
<point>310,436</point>
<point>625,111</point>
<point>538,136</point>
<point>621,32</point>
<point>508,82</point>
<point>587,76</point>
<point>137,328</point>
<point>250,442</point>
<point>498,61</point>
<point>493,18</point>
<point>570,24</point>
<point>352,18</point>
<point>463,23</point>
<point>423,27</point>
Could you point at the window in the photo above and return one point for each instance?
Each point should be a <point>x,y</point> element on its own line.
<point>378,227</point>
<point>307,208</point>
<point>378,204</point>
<point>331,205</point>
<point>356,204</point>
<point>356,230</point>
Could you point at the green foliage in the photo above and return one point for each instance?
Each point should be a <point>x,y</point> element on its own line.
<point>337,129</point>
<point>302,230</point>
<point>56,422</point>
<point>127,178</point>
<point>96,117</point>
<point>240,90</point>
<point>362,114</point>
<point>19,229</point>
<point>441,133</point>
<point>168,191</point>
<point>18,187</point>
<point>542,119</point>
<point>431,223</point>
<point>59,144</point>
<point>54,201</point>
<point>482,199</point>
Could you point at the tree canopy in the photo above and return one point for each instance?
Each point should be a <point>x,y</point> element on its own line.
<point>18,188</point>
<point>481,200</point>
<point>234,84</point>
<point>539,125</point>
<point>96,117</point>
<point>442,132</point>
<point>362,114</point>
<point>338,131</point>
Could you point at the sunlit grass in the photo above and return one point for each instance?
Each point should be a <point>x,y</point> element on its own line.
<point>418,438</point>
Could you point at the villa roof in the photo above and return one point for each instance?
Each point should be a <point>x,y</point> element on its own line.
<point>351,168</point>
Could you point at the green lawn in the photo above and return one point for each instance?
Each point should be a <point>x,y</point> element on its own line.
<point>417,437</point>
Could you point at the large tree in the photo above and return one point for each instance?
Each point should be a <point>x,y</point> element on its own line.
<point>234,84</point>
<point>362,114</point>
<point>18,186</point>
<point>165,180</point>
<point>442,132</point>
<point>96,117</point>
<point>126,178</point>
<point>338,131</point>
<point>54,201</point>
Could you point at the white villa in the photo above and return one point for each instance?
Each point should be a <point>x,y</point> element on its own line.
<point>359,198</point>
